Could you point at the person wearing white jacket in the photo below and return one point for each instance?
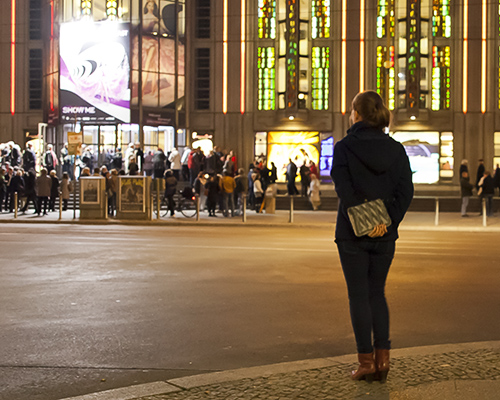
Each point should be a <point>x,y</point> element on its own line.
<point>175,160</point>
<point>314,192</point>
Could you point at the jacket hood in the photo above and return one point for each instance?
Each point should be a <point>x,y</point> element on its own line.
<point>373,148</point>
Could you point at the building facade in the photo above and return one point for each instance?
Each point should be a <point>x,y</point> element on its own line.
<point>269,78</point>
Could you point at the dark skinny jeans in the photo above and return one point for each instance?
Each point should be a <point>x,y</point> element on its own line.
<point>366,265</point>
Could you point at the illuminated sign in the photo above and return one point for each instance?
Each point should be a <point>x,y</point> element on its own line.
<point>95,71</point>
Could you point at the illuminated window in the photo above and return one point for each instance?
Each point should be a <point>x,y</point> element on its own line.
<point>446,158</point>
<point>385,18</point>
<point>320,78</point>
<point>266,65</point>
<point>267,19</point>
<point>320,10</point>
<point>386,75</point>
<point>441,78</point>
<point>496,159</point>
<point>112,9</point>
<point>441,18</point>
<point>86,6</point>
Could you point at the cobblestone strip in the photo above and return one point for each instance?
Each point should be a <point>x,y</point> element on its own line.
<point>334,383</point>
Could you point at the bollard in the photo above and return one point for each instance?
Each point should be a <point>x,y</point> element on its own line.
<point>15,204</point>
<point>485,217</point>
<point>436,220</point>
<point>197,207</point>
<point>244,210</point>
<point>74,198</point>
<point>106,205</point>
<point>60,206</point>
<point>290,219</point>
<point>158,205</point>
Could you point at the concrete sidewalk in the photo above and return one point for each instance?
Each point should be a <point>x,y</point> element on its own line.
<point>313,219</point>
<point>466,371</point>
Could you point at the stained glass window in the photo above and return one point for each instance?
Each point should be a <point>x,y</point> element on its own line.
<point>320,78</point>
<point>266,65</point>
<point>267,19</point>
<point>320,10</point>
<point>386,75</point>
<point>441,18</point>
<point>441,78</point>
<point>385,18</point>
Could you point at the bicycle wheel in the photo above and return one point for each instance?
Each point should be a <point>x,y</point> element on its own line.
<point>188,207</point>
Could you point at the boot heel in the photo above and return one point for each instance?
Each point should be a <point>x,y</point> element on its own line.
<point>369,378</point>
<point>382,375</point>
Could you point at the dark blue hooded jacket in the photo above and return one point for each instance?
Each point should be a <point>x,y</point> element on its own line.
<point>367,165</point>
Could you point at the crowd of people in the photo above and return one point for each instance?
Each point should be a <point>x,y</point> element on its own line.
<point>485,185</point>
<point>215,177</point>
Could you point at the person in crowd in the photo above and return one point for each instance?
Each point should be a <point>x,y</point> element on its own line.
<point>291,174</point>
<point>251,194</point>
<point>113,190</point>
<point>43,185</point>
<point>133,168</point>
<point>148,163</point>
<point>184,162</point>
<point>228,185</point>
<point>175,163</point>
<point>228,166</point>
<point>29,157</point>
<point>30,190</point>
<point>313,168</point>
<point>480,172</point>
<point>368,165</point>
<point>496,178</point>
<point>241,189</point>
<point>117,161</point>
<point>170,189</point>
<point>258,191</point>
<point>88,158</point>
<point>8,190</point>
<point>194,165</point>
<point>139,156</point>
<point>159,159</point>
<point>212,189</point>
<point>85,171</point>
<point>97,171</point>
<point>305,181</point>
<point>211,163</point>
<point>50,159</point>
<point>314,190</point>
<point>464,167</point>
<point>66,189</point>
<point>108,158</point>
<point>486,192</point>
<point>67,161</point>
<point>465,192</point>
<point>3,187</point>
<point>129,153</point>
<point>199,189</point>
<point>273,173</point>
<point>16,185</point>
<point>15,154</point>
<point>54,190</point>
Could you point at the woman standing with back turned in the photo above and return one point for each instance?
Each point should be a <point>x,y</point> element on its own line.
<point>370,165</point>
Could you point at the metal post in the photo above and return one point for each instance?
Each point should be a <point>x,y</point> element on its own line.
<point>60,206</point>
<point>197,207</point>
<point>158,205</point>
<point>106,205</point>
<point>290,219</point>
<point>244,213</point>
<point>15,204</point>
<point>485,217</point>
<point>74,194</point>
<point>436,220</point>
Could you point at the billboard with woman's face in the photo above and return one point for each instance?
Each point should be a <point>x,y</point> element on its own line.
<point>95,71</point>
<point>162,32</point>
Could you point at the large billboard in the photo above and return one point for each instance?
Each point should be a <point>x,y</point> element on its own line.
<point>95,71</point>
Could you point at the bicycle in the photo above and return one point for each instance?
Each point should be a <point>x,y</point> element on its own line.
<point>184,203</point>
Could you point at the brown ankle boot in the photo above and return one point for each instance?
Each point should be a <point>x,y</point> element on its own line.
<point>382,363</point>
<point>366,369</point>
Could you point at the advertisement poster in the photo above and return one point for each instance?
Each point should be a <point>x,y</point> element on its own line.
<point>423,151</point>
<point>90,190</point>
<point>300,147</point>
<point>95,71</point>
<point>132,194</point>
<point>75,141</point>
<point>163,26</point>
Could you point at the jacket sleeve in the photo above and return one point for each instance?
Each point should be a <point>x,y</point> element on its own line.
<point>403,191</point>
<point>341,176</point>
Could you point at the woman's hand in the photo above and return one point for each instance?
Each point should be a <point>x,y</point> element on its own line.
<point>378,231</point>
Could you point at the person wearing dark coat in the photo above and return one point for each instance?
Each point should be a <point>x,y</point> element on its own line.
<point>487,191</point>
<point>170,189</point>
<point>368,165</point>
<point>465,191</point>
<point>159,159</point>
<point>54,190</point>
<point>212,189</point>
<point>29,158</point>
<point>16,184</point>
<point>291,174</point>
<point>496,178</point>
<point>480,172</point>
<point>30,190</point>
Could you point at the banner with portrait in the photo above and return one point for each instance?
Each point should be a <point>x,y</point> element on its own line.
<point>132,193</point>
